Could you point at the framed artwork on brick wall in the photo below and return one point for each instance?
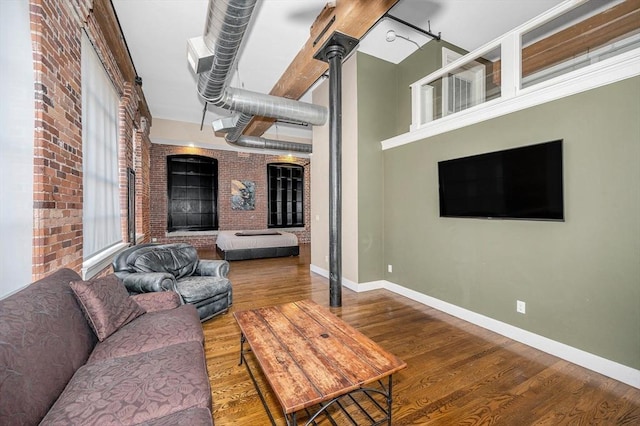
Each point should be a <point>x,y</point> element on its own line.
<point>243,195</point>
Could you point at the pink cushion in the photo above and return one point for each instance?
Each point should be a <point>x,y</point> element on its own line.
<point>151,331</point>
<point>157,301</point>
<point>106,304</point>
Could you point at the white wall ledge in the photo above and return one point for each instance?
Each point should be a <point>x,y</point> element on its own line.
<point>97,263</point>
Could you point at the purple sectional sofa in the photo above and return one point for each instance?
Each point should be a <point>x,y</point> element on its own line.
<point>56,370</point>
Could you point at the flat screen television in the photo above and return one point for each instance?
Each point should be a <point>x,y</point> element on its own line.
<point>519,183</point>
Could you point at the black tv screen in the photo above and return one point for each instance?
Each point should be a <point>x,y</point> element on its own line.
<point>518,183</point>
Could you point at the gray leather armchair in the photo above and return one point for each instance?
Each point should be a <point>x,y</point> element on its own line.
<point>176,267</point>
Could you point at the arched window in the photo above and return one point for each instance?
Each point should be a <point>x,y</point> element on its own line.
<point>192,193</point>
<point>286,195</point>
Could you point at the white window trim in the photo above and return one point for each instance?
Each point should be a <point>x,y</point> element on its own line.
<point>97,263</point>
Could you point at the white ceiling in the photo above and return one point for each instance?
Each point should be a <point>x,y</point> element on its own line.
<point>157,31</point>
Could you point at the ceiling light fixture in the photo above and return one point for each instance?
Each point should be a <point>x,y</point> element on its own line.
<point>391,36</point>
<point>410,25</point>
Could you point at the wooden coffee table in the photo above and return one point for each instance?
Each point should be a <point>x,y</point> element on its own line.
<point>316,364</point>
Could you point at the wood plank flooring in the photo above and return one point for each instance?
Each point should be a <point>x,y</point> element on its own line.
<point>457,373</point>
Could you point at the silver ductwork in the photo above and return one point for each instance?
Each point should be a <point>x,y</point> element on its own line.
<point>234,127</point>
<point>264,143</point>
<point>235,132</point>
<point>264,105</point>
<point>226,24</point>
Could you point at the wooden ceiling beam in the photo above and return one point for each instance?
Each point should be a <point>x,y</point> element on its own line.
<point>351,17</point>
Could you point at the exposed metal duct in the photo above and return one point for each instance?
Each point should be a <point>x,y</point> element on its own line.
<point>264,143</point>
<point>234,127</point>
<point>226,24</point>
<point>236,131</point>
<point>263,105</point>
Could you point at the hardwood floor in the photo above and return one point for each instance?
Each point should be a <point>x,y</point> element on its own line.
<point>457,373</point>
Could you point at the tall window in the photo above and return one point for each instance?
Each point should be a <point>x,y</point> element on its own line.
<point>192,193</point>
<point>101,200</point>
<point>286,195</point>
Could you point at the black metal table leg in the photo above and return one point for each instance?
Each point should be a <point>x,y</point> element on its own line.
<point>253,379</point>
<point>242,340</point>
<point>390,398</point>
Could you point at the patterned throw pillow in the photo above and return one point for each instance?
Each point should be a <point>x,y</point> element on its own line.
<point>106,304</point>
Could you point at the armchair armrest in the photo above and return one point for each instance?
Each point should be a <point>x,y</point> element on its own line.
<point>148,282</point>
<point>161,301</point>
<point>213,268</point>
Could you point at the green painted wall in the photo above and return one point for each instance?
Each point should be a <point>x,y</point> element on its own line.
<point>384,111</point>
<point>580,278</point>
<point>377,93</point>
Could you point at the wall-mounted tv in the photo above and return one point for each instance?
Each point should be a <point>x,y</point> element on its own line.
<point>518,183</point>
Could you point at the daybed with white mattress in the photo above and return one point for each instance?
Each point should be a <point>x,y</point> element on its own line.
<point>243,245</point>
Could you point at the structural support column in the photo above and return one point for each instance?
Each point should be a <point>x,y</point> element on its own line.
<point>333,52</point>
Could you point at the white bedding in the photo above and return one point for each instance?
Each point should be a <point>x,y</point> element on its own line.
<point>228,240</point>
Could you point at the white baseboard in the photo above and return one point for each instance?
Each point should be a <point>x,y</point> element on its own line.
<point>318,270</point>
<point>582,358</point>
<point>372,285</point>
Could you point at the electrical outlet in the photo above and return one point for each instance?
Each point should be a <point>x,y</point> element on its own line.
<point>390,268</point>
<point>326,259</point>
<point>154,240</point>
<point>521,307</point>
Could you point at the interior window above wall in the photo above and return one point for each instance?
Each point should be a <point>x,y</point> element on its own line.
<point>192,192</point>
<point>592,32</point>
<point>286,195</point>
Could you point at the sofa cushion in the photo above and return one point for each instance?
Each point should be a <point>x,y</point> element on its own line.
<point>106,303</point>
<point>135,389</point>
<point>192,417</point>
<point>180,260</point>
<point>158,300</point>
<point>151,331</point>
<point>44,339</point>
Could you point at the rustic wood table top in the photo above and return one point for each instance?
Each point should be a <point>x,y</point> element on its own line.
<point>308,355</point>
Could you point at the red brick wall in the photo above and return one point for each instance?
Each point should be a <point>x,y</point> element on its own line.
<point>57,28</point>
<point>231,166</point>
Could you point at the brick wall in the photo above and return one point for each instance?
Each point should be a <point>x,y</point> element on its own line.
<point>57,28</point>
<point>231,166</point>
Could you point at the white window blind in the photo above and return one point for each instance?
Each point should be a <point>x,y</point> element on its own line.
<point>101,205</point>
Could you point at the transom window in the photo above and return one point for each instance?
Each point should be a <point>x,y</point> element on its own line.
<point>192,183</point>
